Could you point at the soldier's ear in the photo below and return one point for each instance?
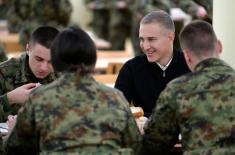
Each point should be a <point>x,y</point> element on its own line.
<point>27,49</point>
<point>187,56</point>
<point>187,59</point>
<point>219,48</point>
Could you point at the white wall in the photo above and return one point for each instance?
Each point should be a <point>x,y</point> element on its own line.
<point>80,15</point>
<point>224,25</point>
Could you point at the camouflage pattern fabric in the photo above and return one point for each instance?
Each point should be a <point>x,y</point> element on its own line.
<point>200,106</point>
<point>3,10</point>
<point>75,115</point>
<point>3,55</point>
<point>109,20</point>
<point>100,17</point>
<point>158,4</point>
<point>26,15</point>
<point>120,18</point>
<point>191,6</point>
<point>14,73</point>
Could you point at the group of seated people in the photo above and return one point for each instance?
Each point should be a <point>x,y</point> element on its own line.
<point>53,105</point>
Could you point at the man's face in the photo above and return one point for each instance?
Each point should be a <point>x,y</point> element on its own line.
<point>156,42</point>
<point>39,60</point>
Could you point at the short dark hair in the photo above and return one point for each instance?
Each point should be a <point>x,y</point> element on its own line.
<point>73,50</point>
<point>43,35</point>
<point>160,17</point>
<point>198,37</point>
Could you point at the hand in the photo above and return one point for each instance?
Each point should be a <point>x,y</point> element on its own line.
<point>20,94</point>
<point>11,122</point>
<point>201,12</point>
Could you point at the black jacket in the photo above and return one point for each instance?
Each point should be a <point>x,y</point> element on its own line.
<point>141,81</point>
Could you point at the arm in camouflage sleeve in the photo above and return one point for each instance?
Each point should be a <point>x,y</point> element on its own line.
<point>161,131</point>
<point>132,136</point>
<point>155,5</point>
<point>23,138</point>
<point>189,6</point>
<point>4,105</point>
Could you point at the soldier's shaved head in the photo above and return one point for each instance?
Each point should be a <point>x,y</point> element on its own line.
<point>43,35</point>
<point>199,38</point>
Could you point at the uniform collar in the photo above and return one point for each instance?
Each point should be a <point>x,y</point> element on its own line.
<point>75,77</point>
<point>207,63</point>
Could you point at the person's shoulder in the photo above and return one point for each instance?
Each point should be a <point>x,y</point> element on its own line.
<point>44,90</point>
<point>107,89</point>
<point>137,61</point>
<point>182,80</point>
<point>10,62</point>
<point>113,96</point>
<point>10,66</point>
<point>110,91</point>
<point>186,84</point>
<point>138,58</point>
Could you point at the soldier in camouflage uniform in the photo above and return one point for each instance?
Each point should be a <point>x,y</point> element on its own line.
<point>75,114</point>
<point>199,105</point>
<point>18,76</point>
<point>119,25</point>
<point>100,19</point>
<point>110,17</point>
<point>197,8</point>
<point>3,9</point>
<point>25,15</point>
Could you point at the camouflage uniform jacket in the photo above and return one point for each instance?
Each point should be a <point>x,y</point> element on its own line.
<point>55,13</point>
<point>3,56</point>
<point>191,6</point>
<point>145,6</point>
<point>14,73</point>
<point>200,106</point>
<point>26,15</point>
<point>75,115</point>
<point>3,10</point>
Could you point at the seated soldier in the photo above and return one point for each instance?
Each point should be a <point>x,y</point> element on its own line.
<point>74,114</point>
<point>18,76</point>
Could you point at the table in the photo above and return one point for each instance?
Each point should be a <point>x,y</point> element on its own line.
<point>106,57</point>
<point>11,42</point>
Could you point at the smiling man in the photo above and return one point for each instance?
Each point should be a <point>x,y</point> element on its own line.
<point>18,76</point>
<point>144,77</point>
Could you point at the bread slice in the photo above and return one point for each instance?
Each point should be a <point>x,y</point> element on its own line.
<point>137,112</point>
